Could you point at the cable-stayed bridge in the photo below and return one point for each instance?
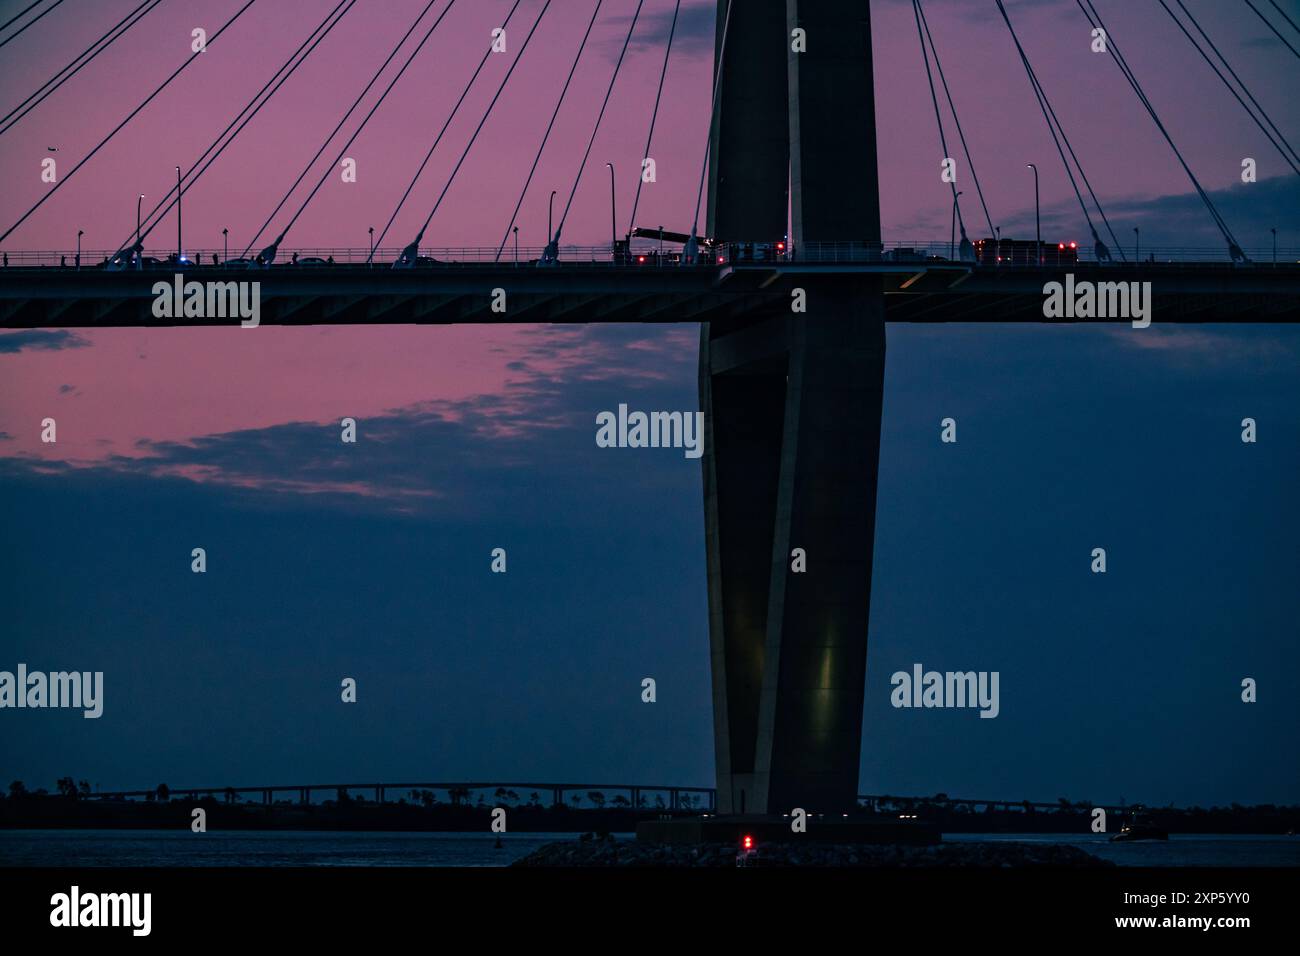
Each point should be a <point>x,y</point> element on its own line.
<point>785,267</point>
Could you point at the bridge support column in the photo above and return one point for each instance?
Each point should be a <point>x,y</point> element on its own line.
<point>792,440</point>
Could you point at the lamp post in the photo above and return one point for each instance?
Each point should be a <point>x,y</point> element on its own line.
<point>1274,232</point>
<point>1137,243</point>
<point>137,218</point>
<point>952,238</point>
<point>613,215</point>
<point>1038,227</point>
<point>371,260</point>
<point>178,215</point>
<point>80,233</point>
<point>225,245</point>
<point>516,232</point>
<point>550,210</point>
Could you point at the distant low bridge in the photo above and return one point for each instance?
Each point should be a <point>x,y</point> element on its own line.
<point>558,791</point>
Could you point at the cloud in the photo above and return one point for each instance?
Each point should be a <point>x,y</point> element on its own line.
<point>693,35</point>
<point>450,459</point>
<point>47,339</point>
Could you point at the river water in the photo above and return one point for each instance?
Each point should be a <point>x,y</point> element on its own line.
<point>113,848</point>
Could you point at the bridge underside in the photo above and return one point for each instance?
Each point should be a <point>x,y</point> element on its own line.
<point>56,298</point>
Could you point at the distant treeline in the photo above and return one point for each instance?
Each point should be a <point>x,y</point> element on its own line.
<point>75,806</point>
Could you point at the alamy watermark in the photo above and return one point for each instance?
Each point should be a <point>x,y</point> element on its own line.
<point>651,430</point>
<point>1098,300</point>
<point>80,689</point>
<point>75,908</point>
<point>208,300</point>
<point>950,689</point>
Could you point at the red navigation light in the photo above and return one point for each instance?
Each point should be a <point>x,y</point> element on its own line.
<point>1074,245</point>
<point>640,258</point>
<point>1060,245</point>
<point>747,842</point>
<point>780,247</point>
<point>720,260</point>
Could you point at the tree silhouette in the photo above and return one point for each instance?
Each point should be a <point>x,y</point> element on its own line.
<point>17,789</point>
<point>67,788</point>
<point>164,793</point>
<point>597,799</point>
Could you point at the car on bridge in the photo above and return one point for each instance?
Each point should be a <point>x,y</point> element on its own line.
<point>1025,252</point>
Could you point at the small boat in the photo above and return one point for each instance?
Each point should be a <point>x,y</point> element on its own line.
<point>1139,828</point>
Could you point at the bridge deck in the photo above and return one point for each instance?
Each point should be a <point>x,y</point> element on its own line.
<point>590,293</point>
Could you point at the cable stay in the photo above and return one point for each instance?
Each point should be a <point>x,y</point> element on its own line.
<point>438,139</point>
<point>58,79</point>
<point>1090,13</point>
<point>267,255</point>
<point>1289,154</point>
<point>923,34</point>
<point>1053,126</point>
<point>18,32</point>
<point>130,116</point>
<point>547,134</point>
<point>654,115</point>
<point>1282,14</point>
<point>691,249</point>
<point>1269,24</point>
<point>128,256</point>
<point>551,254</point>
<point>21,13</point>
<point>411,254</point>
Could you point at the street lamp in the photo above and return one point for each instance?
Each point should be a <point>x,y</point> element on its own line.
<point>225,245</point>
<point>1137,244</point>
<point>80,233</point>
<point>952,238</point>
<point>550,208</point>
<point>178,215</point>
<point>371,260</point>
<point>1274,232</point>
<point>516,231</point>
<point>1038,229</point>
<point>137,218</point>
<point>613,216</point>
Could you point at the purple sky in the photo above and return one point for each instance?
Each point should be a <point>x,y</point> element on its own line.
<point>1127,161</point>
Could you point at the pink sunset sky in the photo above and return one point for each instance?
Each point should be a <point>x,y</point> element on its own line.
<point>113,388</point>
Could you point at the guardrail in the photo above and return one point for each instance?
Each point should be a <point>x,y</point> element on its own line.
<point>645,253</point>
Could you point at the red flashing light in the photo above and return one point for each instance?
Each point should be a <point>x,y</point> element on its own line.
<point>780,247</point>
<point>1060,245</point>
<point>720,260</point>
<point>640,258</point>
<point>747,843</point>
<point>1074,245</point>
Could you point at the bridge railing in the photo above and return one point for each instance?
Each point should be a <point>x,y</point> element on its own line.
<point>644,253</point>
